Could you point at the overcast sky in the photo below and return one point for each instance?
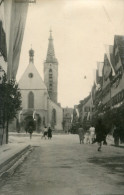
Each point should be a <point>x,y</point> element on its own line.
<point>80,28</point>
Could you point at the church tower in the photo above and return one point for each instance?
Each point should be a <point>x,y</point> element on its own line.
<point>51,71</point>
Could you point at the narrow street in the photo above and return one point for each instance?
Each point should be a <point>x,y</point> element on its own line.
<point>62,166</point>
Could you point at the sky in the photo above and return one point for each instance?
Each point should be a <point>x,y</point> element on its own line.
<point>80,29</point>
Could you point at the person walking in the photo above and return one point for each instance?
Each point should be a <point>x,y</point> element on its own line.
<point>92,134</point>
<point>116,135</point>
<point>87,137</point>
<point>49,133</point>
<point>42,132</point>
<point>30,130</point>
<point>45,132</point>
<point>100,133</point>
<point>81,134</point>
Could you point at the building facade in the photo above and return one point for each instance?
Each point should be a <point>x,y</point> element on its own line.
<point>107,92</point>
<point>34,96</point>
<point>67,119</point>
<point>110,94</point>
<point>39,107</point>
<point>86,111</point>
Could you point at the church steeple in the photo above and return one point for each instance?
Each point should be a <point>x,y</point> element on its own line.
<point>50,52</point>
<point>51,71</point>
<point>31,55</point>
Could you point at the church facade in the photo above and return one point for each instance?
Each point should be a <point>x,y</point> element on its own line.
<point>39,98</point>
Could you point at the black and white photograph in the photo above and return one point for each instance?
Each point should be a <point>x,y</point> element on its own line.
<point>61,97</point>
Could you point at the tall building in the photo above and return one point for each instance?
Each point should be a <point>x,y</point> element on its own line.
<point>34,95</point>
<point>37,107</point>
<point>51,71</point>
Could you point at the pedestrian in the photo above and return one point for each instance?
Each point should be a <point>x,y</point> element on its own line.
<point>81,134</point>
<point>45,132</point>
<point>100,133</point>
<point>42,132</point>
<point>86,137</point>
<point>49,133</point>
<point>121,134</point>
<point>92,134</point>
<point>116,135</point>
<point>30,130</point>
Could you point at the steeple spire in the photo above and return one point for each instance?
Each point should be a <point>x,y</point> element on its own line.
<point>50,52</point>
<point>50,34</point>
<point>31,55</point>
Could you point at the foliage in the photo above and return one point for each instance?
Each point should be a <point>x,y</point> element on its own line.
<point>111,117</point>
<point>74,128</point>
<point>29,121</point>
<point>10,97</point>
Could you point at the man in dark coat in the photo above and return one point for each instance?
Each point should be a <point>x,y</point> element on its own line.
<point>30,130</point>
<point>100,133</point>
<point>81,134</point>
<point>116,134</point>
<point>49,133</point>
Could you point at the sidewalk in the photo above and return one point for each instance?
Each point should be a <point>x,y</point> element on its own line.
<point>11,153</point>
<point>110,141</point>
<point>9,150</point>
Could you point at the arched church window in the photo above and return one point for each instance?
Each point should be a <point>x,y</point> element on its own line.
<point>30,100</point>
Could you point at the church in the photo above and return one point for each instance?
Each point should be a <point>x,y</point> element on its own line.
<point>39,98</point>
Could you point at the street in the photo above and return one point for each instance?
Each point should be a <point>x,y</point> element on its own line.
<point>62,166</point>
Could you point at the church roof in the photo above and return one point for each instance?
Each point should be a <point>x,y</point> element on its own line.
<point>50,58</point>
<point>31,78</point>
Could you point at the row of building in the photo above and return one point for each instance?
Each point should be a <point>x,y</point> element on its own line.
<point>107,91</point>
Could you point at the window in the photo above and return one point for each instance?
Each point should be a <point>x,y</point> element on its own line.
<point>30,75</point>
<point>30,100</point>
<point>50,74</point>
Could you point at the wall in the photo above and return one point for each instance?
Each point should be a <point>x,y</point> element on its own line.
<point>59,114</point>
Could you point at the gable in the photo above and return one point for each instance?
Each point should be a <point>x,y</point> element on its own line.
<point>31,79</point>
<point>106,68</point>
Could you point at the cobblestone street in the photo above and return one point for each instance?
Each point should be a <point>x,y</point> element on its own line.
<point>62,166</point>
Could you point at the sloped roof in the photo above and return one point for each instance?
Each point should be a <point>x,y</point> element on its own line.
<point>119,40</point>
<point>106,68</point>
<point>50,58</point>
<point>34,82</point>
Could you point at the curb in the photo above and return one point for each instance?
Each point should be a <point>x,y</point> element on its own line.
<point>8,167</point>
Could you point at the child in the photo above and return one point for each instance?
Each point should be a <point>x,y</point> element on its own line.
<point>86,138</point>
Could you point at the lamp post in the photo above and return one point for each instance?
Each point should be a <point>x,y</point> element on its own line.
<point>110,95</point>
<point>1,107</point>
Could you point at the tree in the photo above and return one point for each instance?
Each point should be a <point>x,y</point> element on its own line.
<point>10,97</point>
